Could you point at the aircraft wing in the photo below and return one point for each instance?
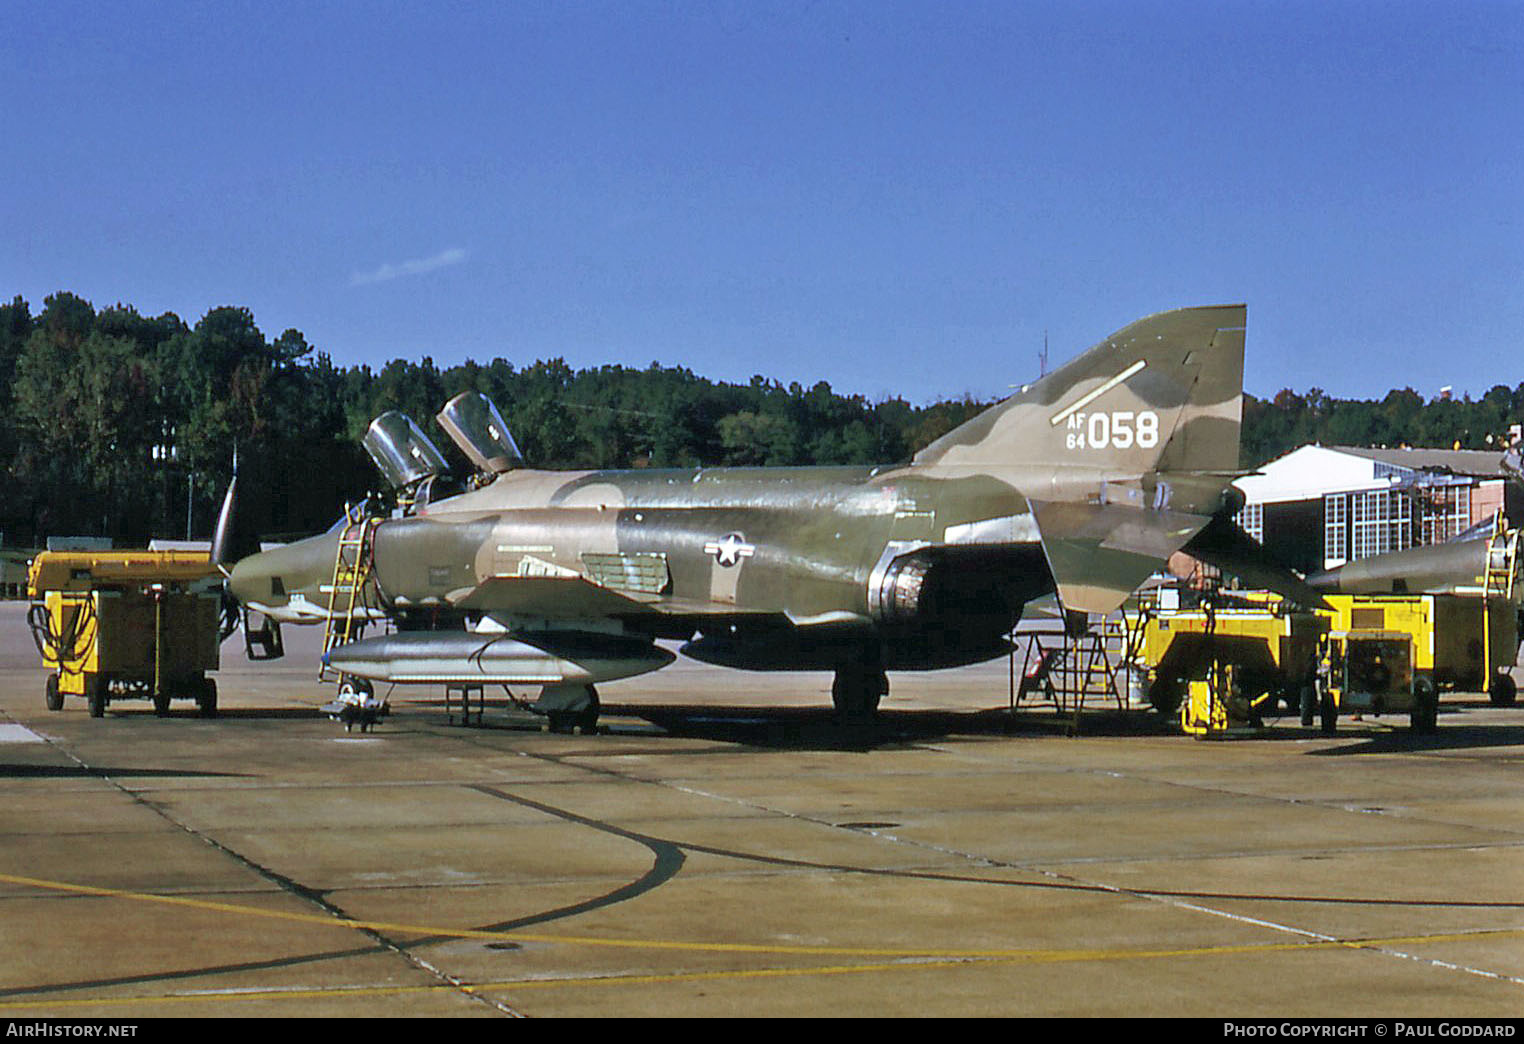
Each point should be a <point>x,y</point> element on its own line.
<point>1100,553</point>
<point>1224,545</point>
<point>546,596</point>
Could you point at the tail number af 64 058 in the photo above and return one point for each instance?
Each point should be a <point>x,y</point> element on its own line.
<point>1118,429</point>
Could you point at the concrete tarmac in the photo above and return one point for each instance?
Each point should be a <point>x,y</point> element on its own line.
<point>721,848</point>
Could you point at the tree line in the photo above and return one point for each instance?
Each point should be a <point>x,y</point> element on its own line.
<point>117,424</point>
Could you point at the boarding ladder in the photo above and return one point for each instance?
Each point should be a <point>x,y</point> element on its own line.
<point>1502,560</point>
<point>351,569</point>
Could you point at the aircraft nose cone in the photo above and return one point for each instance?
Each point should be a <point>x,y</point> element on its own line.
<point>249,581</point>
<point>269,578</point>
<point>1325,580</point>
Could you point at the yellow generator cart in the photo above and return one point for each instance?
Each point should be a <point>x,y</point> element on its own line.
<point>1460,642</point>
<point>127,624</point>
<point>1372,672</point>
<point>1228,664</point>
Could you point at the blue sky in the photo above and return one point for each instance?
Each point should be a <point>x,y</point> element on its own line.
<point>898,198</point>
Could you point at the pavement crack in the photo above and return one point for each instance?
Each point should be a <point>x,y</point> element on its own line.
<point>312,896</point>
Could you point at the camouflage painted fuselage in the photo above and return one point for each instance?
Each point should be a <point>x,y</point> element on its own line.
<point>758,553</point>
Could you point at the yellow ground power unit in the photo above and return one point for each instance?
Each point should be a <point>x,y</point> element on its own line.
<point>127,624</point>
<point>1372,672</point>
<point>1460,642</point>
<point>1226,662</point>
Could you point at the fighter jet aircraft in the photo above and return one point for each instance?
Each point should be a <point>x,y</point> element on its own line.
<point>1083,483</point>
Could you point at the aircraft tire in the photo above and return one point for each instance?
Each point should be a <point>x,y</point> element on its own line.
<point>566,722</point>
<point>584,718</point>
<point>855,693</point>
<point>587,718</point>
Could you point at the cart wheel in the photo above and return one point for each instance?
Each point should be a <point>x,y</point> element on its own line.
<point>206,698</point>
<point>1164,695</point>
<point>95,695</point>
<point>1328,713</point>
<point>1425,716</point>
<point>55,698</point>
<point>1503,691</point>
<point>1309,703</point>
<point>1291,699</point>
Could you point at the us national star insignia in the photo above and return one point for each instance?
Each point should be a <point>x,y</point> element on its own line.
<point>730,549</point>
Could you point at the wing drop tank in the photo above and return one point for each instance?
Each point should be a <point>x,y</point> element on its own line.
<point>468,657</point>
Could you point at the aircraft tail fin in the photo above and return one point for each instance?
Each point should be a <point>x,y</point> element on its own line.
<point>1162,394</point>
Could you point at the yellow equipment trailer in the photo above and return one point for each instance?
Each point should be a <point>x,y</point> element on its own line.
<point>1464,642</point>
<point>1226,662</point>
<point>1372,671</point>
<point>127,624</point>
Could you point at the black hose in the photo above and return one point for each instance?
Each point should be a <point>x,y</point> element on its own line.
<point>63,643</point>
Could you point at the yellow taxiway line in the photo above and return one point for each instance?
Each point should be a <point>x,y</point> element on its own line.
<point>902,959</point>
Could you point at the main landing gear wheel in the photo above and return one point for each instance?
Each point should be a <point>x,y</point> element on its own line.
<point>856,692</point>
<point>570,708</point>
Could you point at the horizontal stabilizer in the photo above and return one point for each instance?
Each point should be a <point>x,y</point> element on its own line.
<point>1100,553</point>
<point>1224,545</point>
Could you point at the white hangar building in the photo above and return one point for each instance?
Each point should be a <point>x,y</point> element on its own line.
<point>1321,506</point>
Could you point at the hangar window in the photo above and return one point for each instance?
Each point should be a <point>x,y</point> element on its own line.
<point>1446,512</point>
<point>1251,519</point>
<point>1335,533</point>
<point>1383,521</point>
